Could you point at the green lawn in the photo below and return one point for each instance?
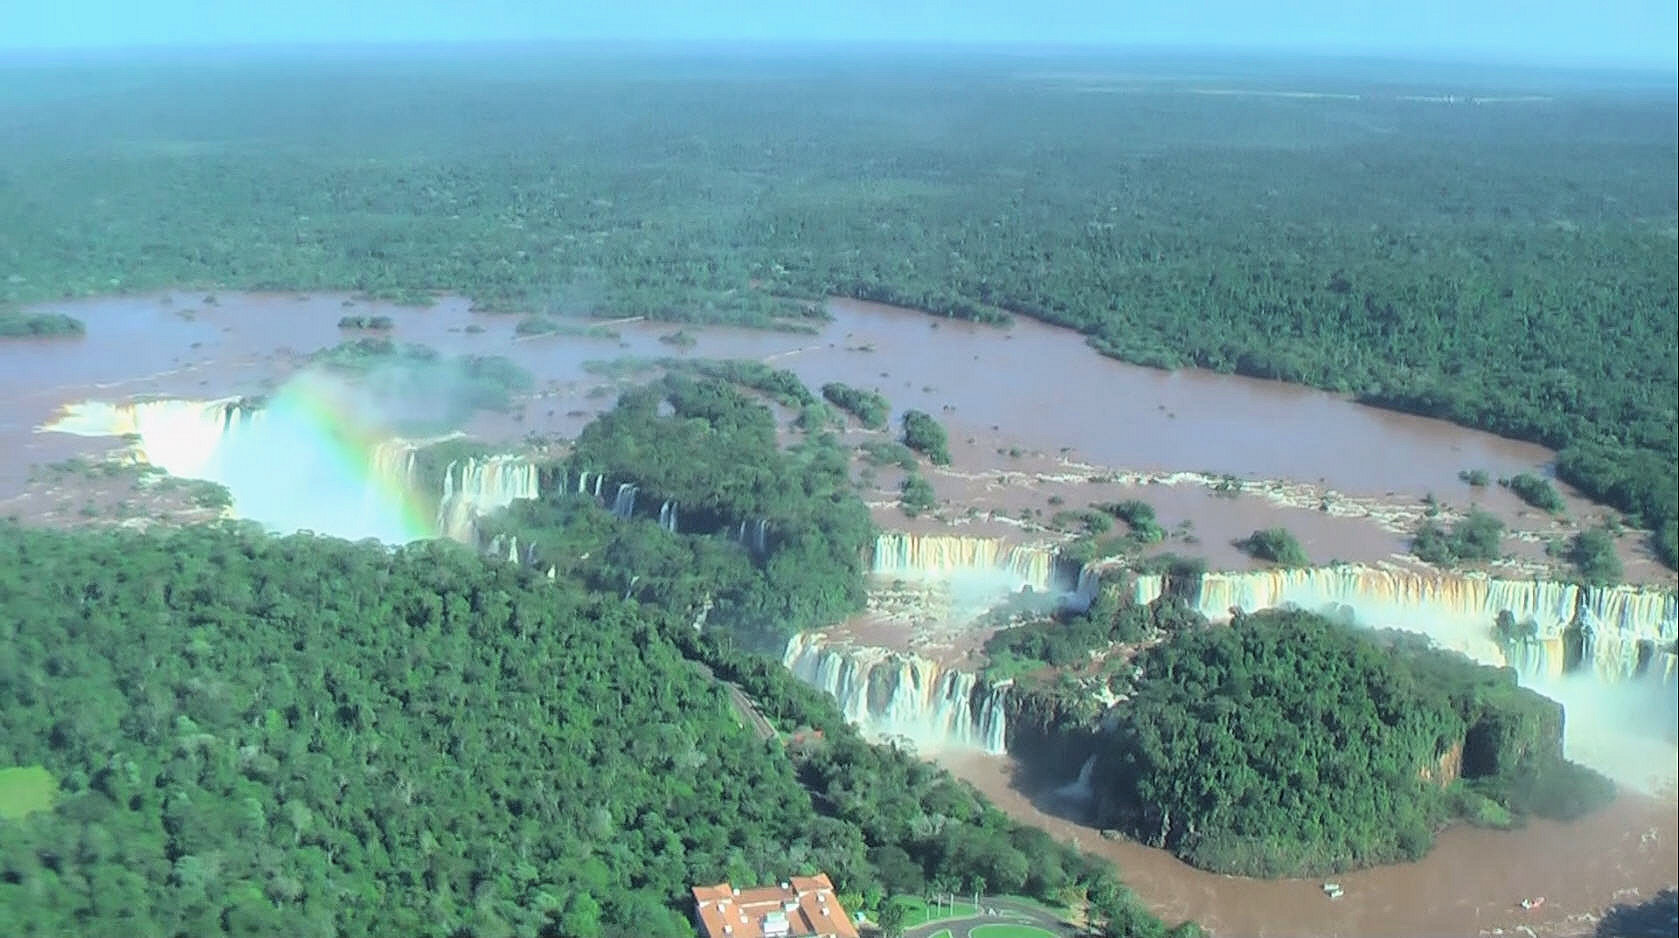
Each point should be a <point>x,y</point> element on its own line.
<point>1009,931</point>
<point>918,912</point>
<point>1059,912</point>
<point>25,790</point>
<point>943,933</point>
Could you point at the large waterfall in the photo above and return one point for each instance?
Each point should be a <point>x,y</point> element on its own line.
<point>887,693</point>
<point>299,462</point>
<point>394,463</point>
<point>1459,612</point>
<point>474,487</point>
<point>183,438</point>
<point>902,554</point>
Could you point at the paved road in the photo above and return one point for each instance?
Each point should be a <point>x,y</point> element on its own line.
<point>1007,911</point>
<point>746,708</point>
<point>743,704</point>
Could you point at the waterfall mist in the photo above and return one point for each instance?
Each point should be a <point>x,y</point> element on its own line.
<point>316,455</point>
<point>1627,731</point>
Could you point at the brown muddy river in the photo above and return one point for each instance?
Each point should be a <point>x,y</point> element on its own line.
<point>1471,884</point>
<point>1030,389</point>
<point>1042,386</point>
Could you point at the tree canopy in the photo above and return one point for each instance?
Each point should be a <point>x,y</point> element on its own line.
<point>1508,267</point>
<point>1285,744</point>
<point>1276,545</point>
<point>926,436</point>
<point>305,736</point>
<point>1512,269</point>
<point>1474,537</point>
<point>869,407</point>
<point>259,735</point>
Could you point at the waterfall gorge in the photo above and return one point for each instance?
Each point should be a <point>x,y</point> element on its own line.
<point>301,461</point>
<point>896,694</point>
<point>292,463</point>
<point>298,461</point>
<point>1619,635</point>
<point>899,694</point>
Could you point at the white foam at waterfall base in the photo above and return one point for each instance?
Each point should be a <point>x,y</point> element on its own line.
<point>286,466</point>
<point>891,695</point>
<point>1627,731</point>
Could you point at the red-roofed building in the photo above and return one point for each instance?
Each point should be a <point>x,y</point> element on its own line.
<point>803,907</point>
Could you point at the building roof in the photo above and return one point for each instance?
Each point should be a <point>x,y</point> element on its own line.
<point>807,903</point>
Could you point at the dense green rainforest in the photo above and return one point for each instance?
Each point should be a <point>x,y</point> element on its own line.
<point>1509,265</point>
<point>299,735</point>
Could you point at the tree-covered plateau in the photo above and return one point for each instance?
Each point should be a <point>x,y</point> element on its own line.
<point>706,450</point>
<point>916,495</point>
<point>439,393</point>
<point>1592,552</point>
<point>1287,745</point>
<point>303,736</point>
<point>1473,538</point>
<point>1536,491</point>
<point>1509,266</point>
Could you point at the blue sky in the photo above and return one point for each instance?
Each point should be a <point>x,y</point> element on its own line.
<point>1635,33</point>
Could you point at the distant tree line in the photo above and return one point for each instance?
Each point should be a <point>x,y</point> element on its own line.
<point>1508,268</point>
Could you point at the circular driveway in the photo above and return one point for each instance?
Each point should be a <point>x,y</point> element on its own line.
<point>998,918</point>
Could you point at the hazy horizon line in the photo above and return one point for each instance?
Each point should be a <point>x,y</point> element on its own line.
<point>1236,52</point>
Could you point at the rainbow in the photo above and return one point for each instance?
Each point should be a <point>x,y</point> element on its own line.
<point>310,458</point>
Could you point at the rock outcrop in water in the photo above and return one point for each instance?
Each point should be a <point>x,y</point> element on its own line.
<point>887,693</point>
